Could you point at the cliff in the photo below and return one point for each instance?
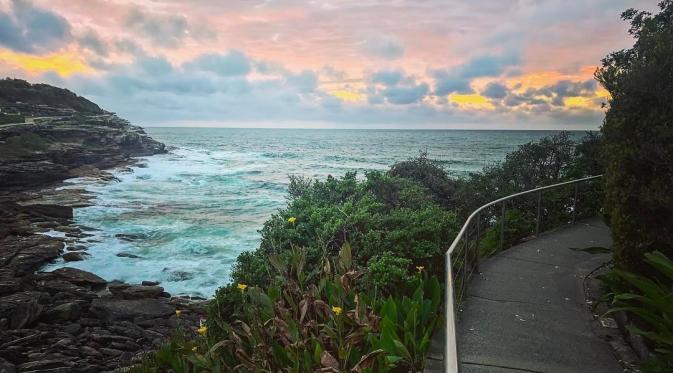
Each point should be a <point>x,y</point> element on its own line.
<point>60,133</point>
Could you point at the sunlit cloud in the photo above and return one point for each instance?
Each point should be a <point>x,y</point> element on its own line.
<point>61,63</point>
<point>402,63</point>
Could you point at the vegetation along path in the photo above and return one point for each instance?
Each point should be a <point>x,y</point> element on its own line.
<point>526,310</point>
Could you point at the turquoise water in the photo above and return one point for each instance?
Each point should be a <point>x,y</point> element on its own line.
<point>190,212</point>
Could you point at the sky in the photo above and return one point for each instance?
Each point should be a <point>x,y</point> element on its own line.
<point>483,64</point>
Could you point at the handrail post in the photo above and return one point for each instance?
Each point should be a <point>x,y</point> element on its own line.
<point>451,363</point>
<point>537,219</point>
<point>575,202</point>
<point>476,241</point>
<point>502,225</point>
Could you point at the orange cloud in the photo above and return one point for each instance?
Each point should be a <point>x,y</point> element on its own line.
<point>62,63</point>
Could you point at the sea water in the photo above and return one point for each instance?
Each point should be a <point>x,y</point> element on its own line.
<point>183,217</point>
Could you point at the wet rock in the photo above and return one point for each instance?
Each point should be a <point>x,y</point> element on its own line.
<point>131,236</point>
<point>73,329</point>
<point>44,365</point>
<point>73,256</point>
<point>20,309</point>
<point>127,309</point>
<point>77,248</point>
<point>128,255</point>
<point>54,211</point>
<point>150,283</point>
<point>179,276</point>
<point>142,291</point>
<point>80,277</point>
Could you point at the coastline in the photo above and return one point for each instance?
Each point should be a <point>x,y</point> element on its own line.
<point>70,320</point>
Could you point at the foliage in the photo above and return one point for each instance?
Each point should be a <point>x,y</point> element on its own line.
<point>516,228</point>
<point>387,271</point>
<point>637,137</point>
<point>649,299</point>
<point>17,90</point>
<point>11,118</point>
<point>429,174</point>
<point>380,214</point>
<point>550,160</point>
<point>327,326</point>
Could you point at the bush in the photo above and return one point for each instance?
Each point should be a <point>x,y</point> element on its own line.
<point>387,271</point>
<point>637,139</point>
<point>429,174</point>
<point>516,228</point>
<point>296,326</point>
<point>649,299</point>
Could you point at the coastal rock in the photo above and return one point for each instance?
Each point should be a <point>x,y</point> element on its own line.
<point>128,309</point>
<point>142,291</point>
<point>20,309</point>
<point>55,211</point>
<point>128,255</point>
<point>73,256</point>
<point>6,366</point>
<point>80,277</point>
<point>65,312</point>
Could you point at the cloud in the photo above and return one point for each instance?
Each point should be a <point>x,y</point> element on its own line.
<point>405,95</point>
<point>458,79</point>
<point>232,63</point>
<point>387,77</point>
<point>26,28</point>
<point>165,30</point>
<point>91,40</point>
<point>305,81</point>
<point>495,90</point>
<point>383,47</point>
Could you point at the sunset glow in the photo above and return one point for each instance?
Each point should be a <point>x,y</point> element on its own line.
<point>519,64</point>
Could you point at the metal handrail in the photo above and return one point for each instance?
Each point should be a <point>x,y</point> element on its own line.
<point>451,362</point>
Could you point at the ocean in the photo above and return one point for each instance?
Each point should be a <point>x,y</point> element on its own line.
<point>182,218</point>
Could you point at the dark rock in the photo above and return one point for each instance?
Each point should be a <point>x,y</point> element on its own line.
<point>128,255</point>
<point>77,248</point>
<point>73,256</point>
<point>150,283</point>
<point>131,236</point>
<point>54,211</point>
<point>142,291</point>
<point>80,277</point>
<point>180,276</point>
<point>110,351</point>
<point>9,286</point>
<point>64,312</point>
<point>123,309</point>
<point>44,365</point>
<point>73,329</point>
<point>89,351</point>
<point>20,309</point>
<point>116,287</point>
<point>6,366</point>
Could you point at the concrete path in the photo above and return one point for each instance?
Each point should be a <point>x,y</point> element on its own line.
<point>525,310</point>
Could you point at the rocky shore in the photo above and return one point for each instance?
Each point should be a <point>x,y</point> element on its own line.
<point>69,320</point>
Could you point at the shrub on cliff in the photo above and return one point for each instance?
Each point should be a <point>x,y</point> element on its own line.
<point>638,137</point>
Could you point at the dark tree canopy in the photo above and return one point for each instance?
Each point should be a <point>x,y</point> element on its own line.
<point>638,138</point>
<point>17,90</point>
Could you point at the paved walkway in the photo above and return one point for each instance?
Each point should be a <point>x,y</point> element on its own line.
<point>525,311</point>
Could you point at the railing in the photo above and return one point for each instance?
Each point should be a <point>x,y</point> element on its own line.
<point>462,258</point>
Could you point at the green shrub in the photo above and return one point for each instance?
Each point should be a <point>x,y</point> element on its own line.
<point>298,326</point>
<point>637,137</point>
<point>516,228</point>
<point>649,299</point>
<point>387,272</point>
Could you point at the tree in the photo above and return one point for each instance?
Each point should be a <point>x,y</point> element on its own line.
<point>637,132</point>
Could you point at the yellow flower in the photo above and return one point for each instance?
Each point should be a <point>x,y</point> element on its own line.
<point>194,349</point>
<point>337,310</point>
<point>178,313</point>
<point>420,269</point>
<point>292,219</point>
<point>202,330</point>
<point>242,287</point>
